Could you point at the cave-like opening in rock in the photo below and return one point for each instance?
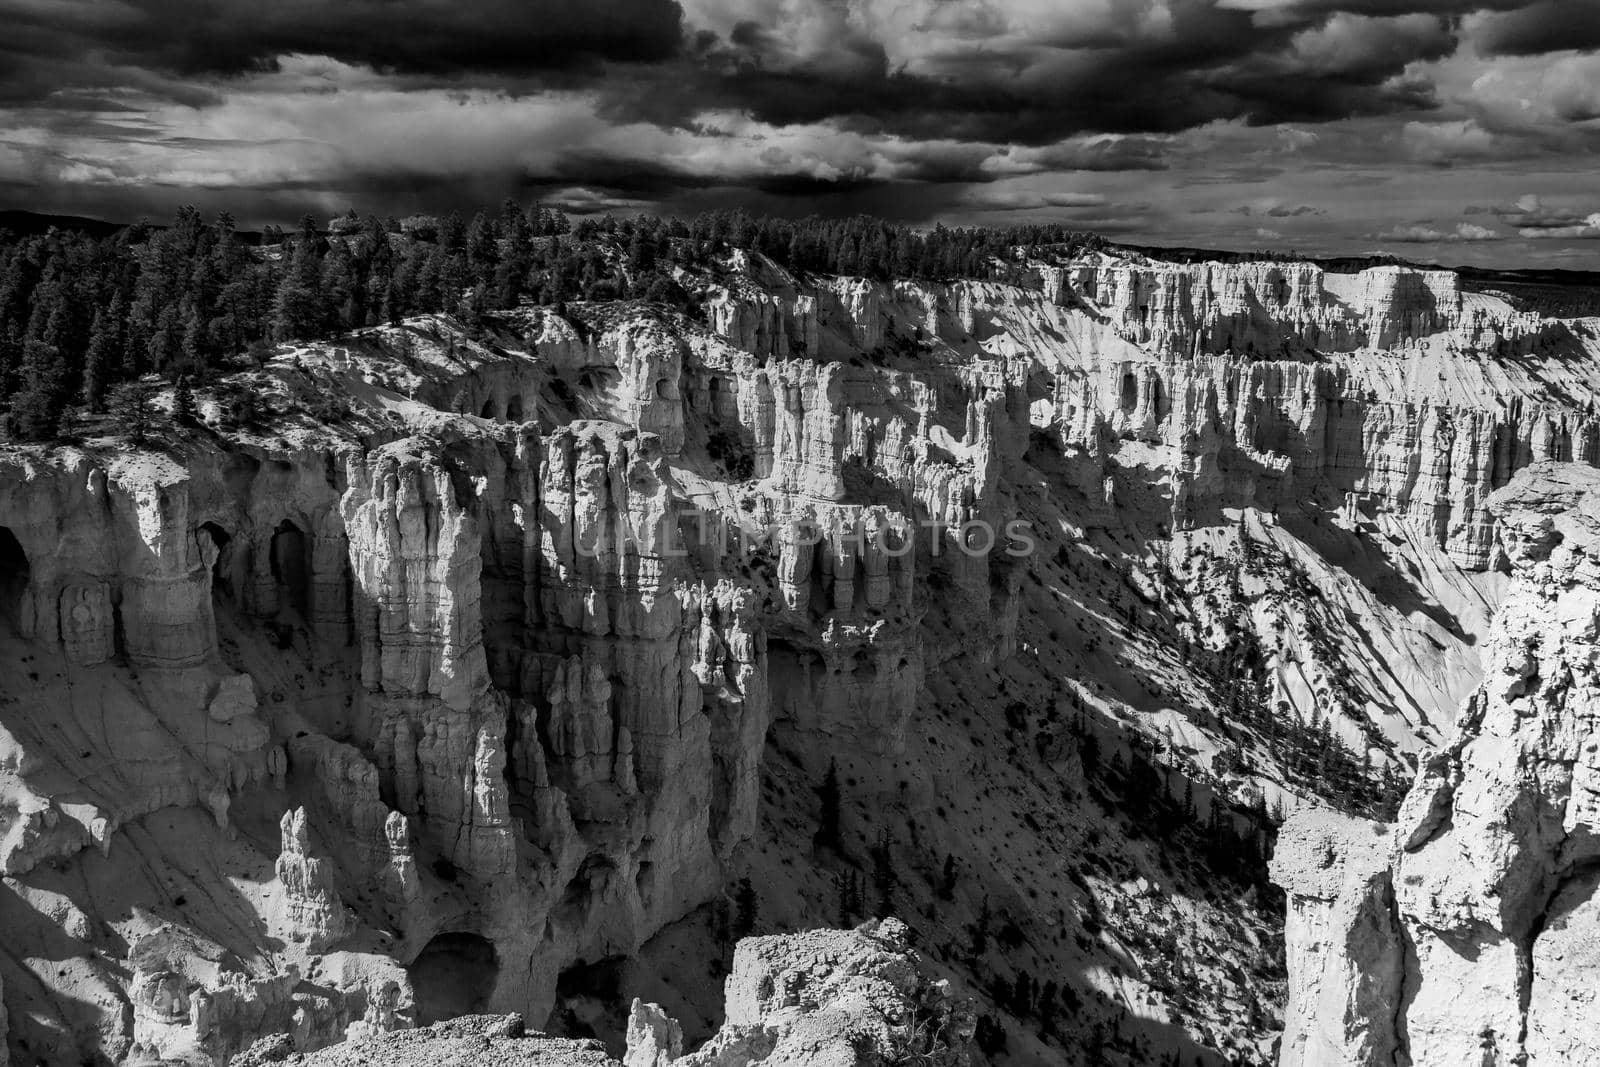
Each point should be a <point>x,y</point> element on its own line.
<point>578,900</point>
<point>453,975</point>
<point>1130,392</point>
<point>514,408</point>
<point>488,411</point>
<point>290,568</point>
<point>14,575</point>
<point>222,566</point>
<point>590,1002</point>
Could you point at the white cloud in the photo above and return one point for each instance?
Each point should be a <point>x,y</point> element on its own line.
<point>1419,234</point>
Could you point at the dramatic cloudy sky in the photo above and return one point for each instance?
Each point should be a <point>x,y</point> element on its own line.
<point>1458,130</point>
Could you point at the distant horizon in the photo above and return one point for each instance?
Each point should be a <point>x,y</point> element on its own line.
<point>256,226</point>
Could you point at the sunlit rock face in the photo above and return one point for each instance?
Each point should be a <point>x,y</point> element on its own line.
<point>851,998</point>
<point>482,680</point>
<point>1464,933</point>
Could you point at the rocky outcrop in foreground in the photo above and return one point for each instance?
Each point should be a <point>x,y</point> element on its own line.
<point>1467,932</point>
<point>824,998</point>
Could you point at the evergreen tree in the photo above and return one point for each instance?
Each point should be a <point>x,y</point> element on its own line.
<point>1047,1006</point>
<point>980,931</point>
<point>194,340</point>
<point>36,411</point>
<point>1022,995</point>
<point>99,361</point>
<point>746,904</point>
<point>884,878</point>
<point>132,409</point>
<point>827,835</point>
<point>721,923</point>
<point>184,412</point>
<point>297,310</point>
<point>990,1036</point>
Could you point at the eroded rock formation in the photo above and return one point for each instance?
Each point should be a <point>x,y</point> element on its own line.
<point>845,997</point>
<point>824,998</point>
<point>1464,934</point>
<point>342,728</point>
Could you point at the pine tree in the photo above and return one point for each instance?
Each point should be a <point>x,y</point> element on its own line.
<point>131,408</point>
<point>1047,1006</point>
<point>184,412</point>
<point>884,878</point>
<point>947,882</point>
<point>297,308</point>
<point>36,411</point>
<point>980,931</point>
<point>721,923</point>
<point>827,835</point>
<point>1022,995</point>
<point>746,904</point>
<point>194,340</point>
<point>99,361</point>
<point>989,1035</point>
<point>512,271</point>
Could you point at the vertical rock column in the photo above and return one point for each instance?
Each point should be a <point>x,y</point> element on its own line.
<point>439,727</point>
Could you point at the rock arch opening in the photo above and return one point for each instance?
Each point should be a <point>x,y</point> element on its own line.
<point>14,577</point>
<point>291,570</point>
<point>583,893</point>
<point>222,567</point>
<point>488,411</point>
<point>589,1002</point>
<point>514,408</point>
<point>1130,391</point>
<point>453,975</point>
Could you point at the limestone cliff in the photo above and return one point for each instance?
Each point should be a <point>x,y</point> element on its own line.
<point>1465,934</point>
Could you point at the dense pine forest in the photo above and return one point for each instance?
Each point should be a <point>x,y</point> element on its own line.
<point>80,314</point>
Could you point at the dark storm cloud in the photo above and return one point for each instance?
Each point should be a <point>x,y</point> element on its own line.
<point>1269,11</point>
<point>1212,62</point>
<point>913,109</point>
<point>188,38</point>
<point>1547,26</point>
